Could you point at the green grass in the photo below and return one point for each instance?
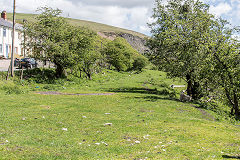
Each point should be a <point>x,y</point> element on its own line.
<point>97,27</point>
<point>146,122</point>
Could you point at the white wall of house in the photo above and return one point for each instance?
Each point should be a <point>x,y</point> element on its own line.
<point>6,42</point>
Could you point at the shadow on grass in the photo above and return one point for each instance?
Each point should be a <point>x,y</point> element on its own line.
<point>154,94</point>
<point>39,75</point>
<point>156,98</point>
<point>140,90</point>
<point>231,157</point>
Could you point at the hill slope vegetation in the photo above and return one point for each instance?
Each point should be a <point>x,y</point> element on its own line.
<point>139,120</point>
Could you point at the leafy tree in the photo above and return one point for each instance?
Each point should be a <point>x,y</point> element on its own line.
<point>179,34</point>
<point>119,54</point>
<point>50,37</point>
<point>85,50</point>
<point>222,66</point>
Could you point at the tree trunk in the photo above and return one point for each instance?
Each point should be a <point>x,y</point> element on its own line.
<point>89,75</point>
<point>193,88</point>
<point>189,85</point>
<point>196,91</point>
<point>59,71</point>
<point>21,75</point>
<point>236,106</point>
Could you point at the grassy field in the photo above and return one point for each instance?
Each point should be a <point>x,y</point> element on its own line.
<point>145,121</point>
<point>97,27</point>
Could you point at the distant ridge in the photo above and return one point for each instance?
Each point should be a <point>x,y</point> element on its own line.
<point>97,27</point>
<point>135,39</point>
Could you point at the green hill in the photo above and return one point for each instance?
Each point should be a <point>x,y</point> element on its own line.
<point>97,27</point>
<point>135,39</point>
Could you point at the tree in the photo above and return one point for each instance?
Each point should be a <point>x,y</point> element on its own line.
<point>119,54</point>
<point>179,34</point>
<point>50,37</point>
<point>84,47</point>
<point>222,66</point>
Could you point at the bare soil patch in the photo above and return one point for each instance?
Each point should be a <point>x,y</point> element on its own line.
<point>72,94</point>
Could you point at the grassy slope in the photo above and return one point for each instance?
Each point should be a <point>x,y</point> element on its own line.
<point>97,27</point>
<point>165,128</point>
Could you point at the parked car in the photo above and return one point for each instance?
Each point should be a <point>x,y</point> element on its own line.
<point>28,63</point>
<point>17,62</point>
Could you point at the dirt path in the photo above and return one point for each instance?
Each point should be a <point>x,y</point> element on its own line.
<point>73,94</point>
<point>205,114</point>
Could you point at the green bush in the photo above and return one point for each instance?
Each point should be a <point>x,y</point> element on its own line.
<point>11,88</point>
<point>119,54</point>
<point>139,63</point>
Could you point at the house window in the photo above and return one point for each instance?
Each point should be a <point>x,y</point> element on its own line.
<point>1,48</point>
<point>16,50</point>
<point>4,32</point>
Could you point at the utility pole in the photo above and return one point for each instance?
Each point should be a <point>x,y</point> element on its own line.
<point>13,36</point>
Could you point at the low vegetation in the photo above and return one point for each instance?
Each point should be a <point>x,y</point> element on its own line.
<point>104,100</point>
<point>145,119</point>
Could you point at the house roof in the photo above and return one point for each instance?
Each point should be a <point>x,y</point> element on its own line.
<point>9,24</point>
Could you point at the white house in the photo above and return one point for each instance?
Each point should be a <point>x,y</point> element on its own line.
<point>6,30</point>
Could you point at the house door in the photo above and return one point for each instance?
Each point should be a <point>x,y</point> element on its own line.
<point>7,51</point>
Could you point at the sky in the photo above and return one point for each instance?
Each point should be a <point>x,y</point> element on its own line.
<point>128,14</point>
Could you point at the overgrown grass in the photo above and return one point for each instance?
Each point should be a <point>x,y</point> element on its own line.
<point>147,121</point>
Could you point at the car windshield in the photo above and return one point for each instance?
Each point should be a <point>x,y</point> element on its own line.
<point>26,59</point>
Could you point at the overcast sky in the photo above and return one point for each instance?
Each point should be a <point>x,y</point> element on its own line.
<point>129,14</point>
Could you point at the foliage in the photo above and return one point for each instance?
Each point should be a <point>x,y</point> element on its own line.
<point>50,37</point>
<point>39,75</point>
<point>139,63</point>
<point>222,66</point>
<point>11,88</point>
<point>120,54</point>
<point>179,33</point>
<point>86,48</point>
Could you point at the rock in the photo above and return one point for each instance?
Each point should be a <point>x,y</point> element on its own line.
<point>146,136</point>
<point>105,143</point>
<point>64,129</point>
<point>108,124</point>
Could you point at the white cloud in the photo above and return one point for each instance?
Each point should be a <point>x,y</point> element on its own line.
<point>129,14</point>
<point>220,9</point>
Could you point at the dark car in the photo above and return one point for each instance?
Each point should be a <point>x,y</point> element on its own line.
<point>28,63</point>
<point>17,62</point>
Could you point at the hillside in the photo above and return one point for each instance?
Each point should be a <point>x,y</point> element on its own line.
<point>137,120</point>
<point>135,39</point>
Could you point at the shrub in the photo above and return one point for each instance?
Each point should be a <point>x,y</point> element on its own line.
<point>119,54</point>
<point>139,63</point>
<point>11,88</point>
